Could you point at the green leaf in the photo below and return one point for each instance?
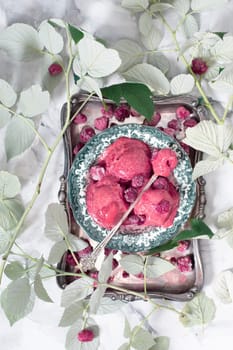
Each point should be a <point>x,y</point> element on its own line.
<point>137,95</point>
<point>19,136</point>
<point>145,23</point>
<point>147,74</point>
<point>57,22</point>
<point>199,311</point>
<point>95,299</point>
<point>56,227</point>
<point>72,313</point>
<point>71,339</point>
<point>4,240</point>
<point>5,117</point>
<point>201,5</point>
<point>156,267</point>
<point>40,290</point>
<point>132,264</point>
<point>11,211</point>
<point>135,5</point>
<point>190,26</point>
<point>7,94</point>
<point>107,306</point>
<point>198,228</point>
<point>142,340</point>
<point>95,59</point>
<point>152,40</point>
<point>130,53</point>
<point>14,270</point>
<point>9,185</point>
<point>75,33</point>
<point>52,40</point>
<point>21,41</point>
<point>206,166</point>
<point>33,101</point>
<point>161,343</point>
<point>127,329</point>
<point>76,291</point>
<point>223,286</point>
<point>106,269</point>
<point>220,34</point>
<point>166,246</point>
<point>182,84</point>
<point>15,300</point>
<point>210,138</point>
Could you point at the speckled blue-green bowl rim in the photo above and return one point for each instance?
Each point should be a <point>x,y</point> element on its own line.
<point>152,236</point>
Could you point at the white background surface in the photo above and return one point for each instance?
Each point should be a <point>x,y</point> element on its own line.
<point>39,330</point>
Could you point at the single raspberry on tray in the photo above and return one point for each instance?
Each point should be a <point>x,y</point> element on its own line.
<point>101,123</point>
<point>86,133</point>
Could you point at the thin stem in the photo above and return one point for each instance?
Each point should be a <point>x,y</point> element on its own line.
<point>228,106</point>
<point>26,121</point>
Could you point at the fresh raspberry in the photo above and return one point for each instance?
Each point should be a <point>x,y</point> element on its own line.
<point>86,335</point>
<point>134,113</point>
<point>55,69</point>
<point>93,274</point>
<point>77,147</point>
<point>86,133</point>
<point>173,260</point>
<point>182,112</point>
<point>101,123</point>
<point>163,206</point>
<point>190,123</point>
<point>185,263</point>
<point>154,120</point>
<point>97,172</point>
<point>80,118</point>
<point>132,220</point>
<point>164,162</point>
<point>114,264</point>
<point>161,183</point>
<point>140,275</point>
<point>125,274</point>
<point>108,111</point>
<point>107,251</point>
<point>130,194</point>
<point>173,124</point>
<point>169,131</point>
<point>122,112</point>
<point>70,260</point>
<point>199,66</point>
<point>138,180</point>
<point>185,147</point>
<point>86,251</point>
<point>183,245</point>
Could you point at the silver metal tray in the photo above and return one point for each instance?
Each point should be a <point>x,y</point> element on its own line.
<point>174,285</point>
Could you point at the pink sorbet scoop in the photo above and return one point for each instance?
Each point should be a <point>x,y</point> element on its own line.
<point>164,162</point>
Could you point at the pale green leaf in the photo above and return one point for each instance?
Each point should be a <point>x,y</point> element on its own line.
<point>11,211</point>
<point>76,291</point>
<point>90,85</point>
<point>135,5</point>
<point>212,72</point>
<point>95,299</point>
<point>106,269</point>
<point>130,53</point>
<point>39,265</point>
<point>223,286</point>
<point>145,23</point>
<point>142,339</point>
<point>7,94</point>
<point>76,243</point>
<point>210,138</point>
<point>95,59</point>
<point>107,306</point>
<point>19,136</point>
<point>33,101</point>
<point>161,343</point>
<point>14,270</point>
<point>72,313</point>
<point>40,290</point>
<point>200,5</point>
<point>56,252</point>
<point>56,227</point>
<point>21,41</point>
<point>72,342</point>
<point>199,311</point>
<point>152,39</point>
<point>127,329</point>
<point>190,26</point>
<point>4,240</point>
<point>9,185</point>
<point>223,50</point>
<point>159,60</point>
<point>182,84</point>
<point>225,219</point>
<point>124,346</point>
<point>206,166</point>
<point>5,117</point>
<point>15,300</point>
<point>181,6</point>
<point>160,7</point>
<point>132,264</point>
<point>51,39</point>
<point>224,81</point>
<point>149,75</point>
<point>156,267</point>
<point>57,22</point>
